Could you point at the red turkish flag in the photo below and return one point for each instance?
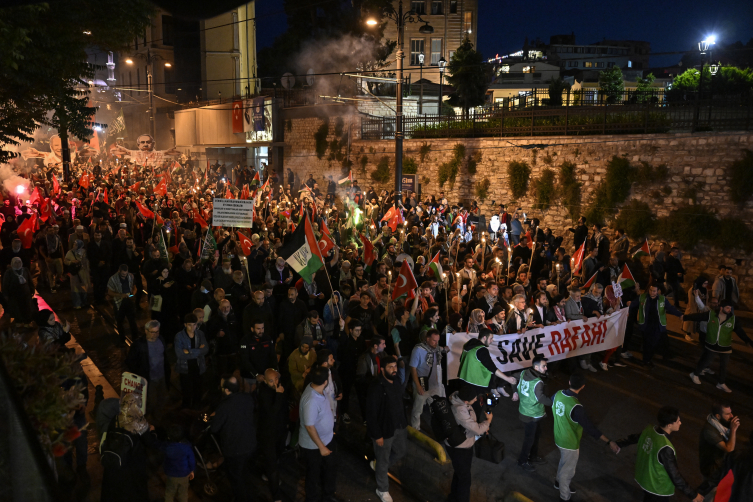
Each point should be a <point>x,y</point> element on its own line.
<point>106,198</point>
<point>161,187</point>
<point>201,221</point>
<point>26,231</point>
<point>405,281</point>
<point>237,117</point>
<point>46,211</point>
<point>229,194</point>
<point>35,196</point>
<point>55,185</point>
<point>325,229</point>
<point>245,193</point>
<point>145,212</point>
<point>325,243</point>
<point>135,187</point>
<point>83,182</point>
<point>246,244</point>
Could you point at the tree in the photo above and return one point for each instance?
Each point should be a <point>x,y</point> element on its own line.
<point>729,80</point>
<point>611,84</point>
<point>556,87</point>
<point>43,65</point>
<point>470,77</point>
<point>643,89</point>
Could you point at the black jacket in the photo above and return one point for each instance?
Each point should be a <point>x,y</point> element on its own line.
<point>227,344</point>
<point>384,401</point>
<point>257,355</point>
<point>740,465</point>
<point>253,312</point>
<point>549,316</point>
<point>137,360</point>
<point>273,419</point>
<point>234,420</point>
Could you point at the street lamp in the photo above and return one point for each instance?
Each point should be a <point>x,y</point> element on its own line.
<point>704,49</point>
<point>150,59</point>
<point>400,18</point>
<point>421,81</point>
<point>442,63</point>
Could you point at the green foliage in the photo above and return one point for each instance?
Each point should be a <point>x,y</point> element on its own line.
<point>423,151</point>
<point>636,218</point>
<point>320,139</point>
<point>518,174</point>
<point>683,224</point>
<point>469,76</point>
<point>363,161</point>
<point>733,233</point>
<point>741,179</point>
<point>339,125</point>
<point>543,188</point>
<point>473,161</point>
<point>548,159</point>
<point>729,80</point>
<point>43,65</point>
<point>647,174</point>
<point>570,189</point>
<point>448,171</point>
<point>643,88</point>
<point>447,109</point>
<point>482,188</point>
<point>382,173</point>
<point>612,191</point>
<point>611,84</point>
<point>410,166</point>
<point>556,87</point>
<point>458,151</point>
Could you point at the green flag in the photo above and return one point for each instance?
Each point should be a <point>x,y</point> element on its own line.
<point>210,246</point>
<point>162,246</point>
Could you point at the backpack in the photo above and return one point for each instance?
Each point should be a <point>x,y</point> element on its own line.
<point>443,422</point>
<point>115,447</point>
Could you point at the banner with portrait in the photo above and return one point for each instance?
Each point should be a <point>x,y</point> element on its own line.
<point>574,338</point>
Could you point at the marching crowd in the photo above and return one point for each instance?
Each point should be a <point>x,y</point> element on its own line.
<point>274,356</point>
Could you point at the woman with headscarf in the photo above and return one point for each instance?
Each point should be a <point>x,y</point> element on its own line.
<point>696,304</point>
<point>19,291</point>
<point>476,321</point>
<point>51,330</point>
<point>123,454</point>
<point>77,265</point>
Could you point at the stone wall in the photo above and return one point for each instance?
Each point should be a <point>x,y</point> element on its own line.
<point>700,160</point>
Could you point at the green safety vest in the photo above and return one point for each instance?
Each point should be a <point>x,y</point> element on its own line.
<point>642,310</point>
<point>719,334</point>
<point>471,369</point>
<point>567,433</point>
<point>649,473</point>
<point>529,405</point>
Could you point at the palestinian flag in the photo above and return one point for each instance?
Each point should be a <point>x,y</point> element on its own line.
<point>626,279</point>
<point>590,282</point>
<point>644,250</point>
<point>347,181</point>
<point>162,246</point>
<point>256,181</point>
<point>435,267</point>
<point>368,254</point>
<point>302,251</point>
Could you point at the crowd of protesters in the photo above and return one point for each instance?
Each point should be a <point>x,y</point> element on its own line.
<point>244,332</point>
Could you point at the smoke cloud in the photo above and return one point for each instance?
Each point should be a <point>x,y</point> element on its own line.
<point>10,179</point>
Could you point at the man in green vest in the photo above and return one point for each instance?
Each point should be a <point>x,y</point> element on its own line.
<point>533,399</point>
<point>570,421</point>
<point>656,468</point>
<point>476,365</point>
<point>719,328</point>
<point>652,309</point>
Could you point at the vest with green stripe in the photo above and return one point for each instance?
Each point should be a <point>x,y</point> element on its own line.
<point>529,405</point>
<point>567,433</point>
<point>472,370</point>
<point>719,334</point>
<point>642,309</point>
<point>649,473</point>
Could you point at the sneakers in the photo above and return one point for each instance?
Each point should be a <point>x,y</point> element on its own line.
<point>384,496</point>
<point>537,460</point>
<point>346,418</point>
<point>619,364</point>
<point>707,371</point>
<point>695,379</point>
<point>527,467</point>
<point>723,387</point>
<point>372,464</point>
<point>587,366</point>
<point>604,366</point>
<point>591,368</point>
<point>583,364</point>
<point>626,355</point>
<point>557,487</point>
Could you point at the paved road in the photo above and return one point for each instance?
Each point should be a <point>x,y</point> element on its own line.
<point>619,402</point>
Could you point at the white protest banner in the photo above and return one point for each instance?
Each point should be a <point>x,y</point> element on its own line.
<point>232,213</point>
<point>131,383</point>
<point>570,339</point>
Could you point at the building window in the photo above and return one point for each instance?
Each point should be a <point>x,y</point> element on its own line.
<point>600,65</point>
<point>436,51</point>
<point>468,21</point>
<point>418,6</point>
<point>436,7</point>
<point>167,30</point>
<point>578,50</point>
<point>416,48</point>
<point>452,53</point>
<point>630,64</point>
<point>572,64</point>
<point>453,6</point>
<point>587,64</point>
<point>610,65</point>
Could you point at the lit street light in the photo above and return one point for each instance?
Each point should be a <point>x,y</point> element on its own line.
<point>150,59</point>
<point>421,81</point>
<point>442,64</point>
<point>704,49</point>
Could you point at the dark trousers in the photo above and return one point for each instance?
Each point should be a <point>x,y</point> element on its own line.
<point>190,386</point>
<point>344,404</point>
<point>79,445</point>
<point>677,290</point>
<point>362,388</point>
<point>99,283</point>
<point>321,473</point>
<point>126,311</point>
<point>462,459</point>
<point>706,359</point>
<point>652,341</point>
<point>650,497</point>
<point>271,446</point>
<point>530,447</point>
<point>236,470</point>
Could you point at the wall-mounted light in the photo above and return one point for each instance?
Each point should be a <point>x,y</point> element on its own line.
<point>129,61</point>
<point>168,65</point>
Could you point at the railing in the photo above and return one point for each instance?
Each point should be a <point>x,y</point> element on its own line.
<point>581,97</point>
<point>648,117</point>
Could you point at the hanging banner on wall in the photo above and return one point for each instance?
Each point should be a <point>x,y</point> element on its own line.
<point>258,113</point>
<point>238,117</point>
<point>146,155</point>
<point>575,338</point>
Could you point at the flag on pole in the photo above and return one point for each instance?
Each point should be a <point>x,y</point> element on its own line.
<point>245,193</point>
<point>135,187</point>
<point>256,180</point>
<point>406,282</point>
<point>145,211</point>
<point>246,244</point>
<point>590,282</point>
<point>302,251</point>
<point>26,231</point>
<point>210,246</point>
<point>46,211</point>
<point>84,181</point>
<point>55,185</point>
<point>118,125</point>
<point>106,198</point>
<point>644,250</point>
<point>35,196</point>
<point>435,268</point>
<point>325,230</point>
<point>368,253</point>
<point>201,221</point>
<point>229,194</point>
<point>162,246</point>
<point>347,181</point>
<point>161,187</point>
<point>393,217</point>
<point>577,260</point>
<point>626,279</point>
<point>325,244</point>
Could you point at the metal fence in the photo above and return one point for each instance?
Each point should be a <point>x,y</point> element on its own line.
<point>635,118</point>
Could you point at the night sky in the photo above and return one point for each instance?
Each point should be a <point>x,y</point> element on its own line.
<point>670,25</point>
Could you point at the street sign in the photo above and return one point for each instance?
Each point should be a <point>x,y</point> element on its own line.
<point>410,183</point>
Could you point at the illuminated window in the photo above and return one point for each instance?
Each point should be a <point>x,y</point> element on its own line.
<point>468,21</point>
<point>416,48</point>
<point>630,64</point>
<point>436,51</point>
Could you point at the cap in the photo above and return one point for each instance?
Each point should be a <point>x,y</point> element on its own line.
<point>497,309</point>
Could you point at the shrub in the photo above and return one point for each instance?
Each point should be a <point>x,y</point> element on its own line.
<point>409,165</point>
<point>733,233</point>
<point>320,139</point>
<point>424,151</point>
<point>570,189</point>
<point>543,188</point>
<point>473,161</point>
<point>646,174</point>
<point>518,173</point>
<point>448,171</point>
<point>382,172</point>
<point>482,188</point>
<point>363,161</point>
<point>612,191</point>
<point>636,218</point>
<point>741,179</point>
<point>548,159</point>
<point>684,225</point>
<point>458,151</point>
